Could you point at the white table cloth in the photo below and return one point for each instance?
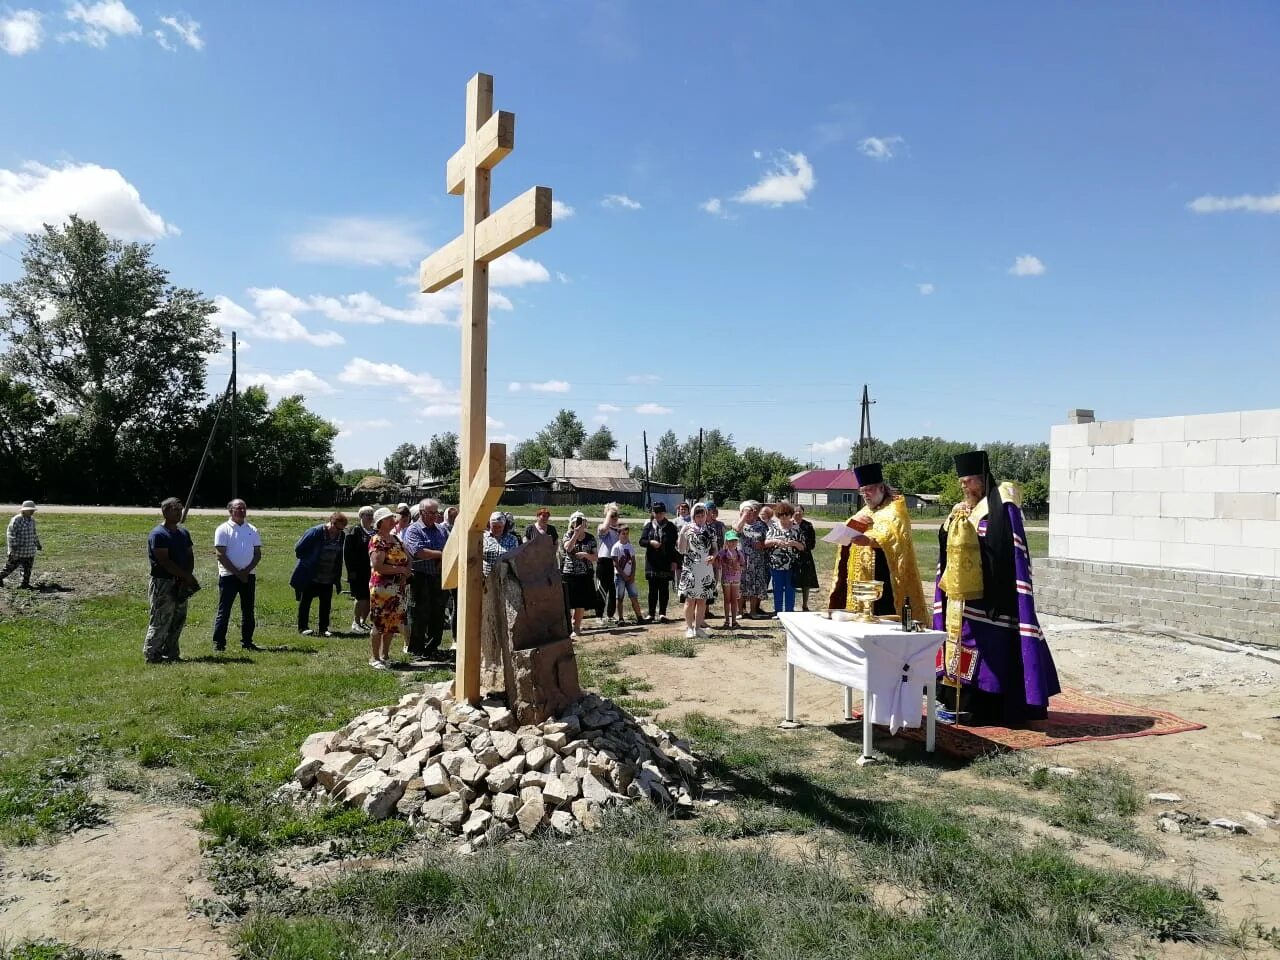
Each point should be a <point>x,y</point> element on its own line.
<point>889,666</point>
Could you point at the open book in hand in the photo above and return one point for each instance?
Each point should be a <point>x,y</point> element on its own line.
<point>841,536</point>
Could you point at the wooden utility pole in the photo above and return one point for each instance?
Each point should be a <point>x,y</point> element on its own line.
<point>701,489</point>
<point>648,493</point>
<point>490,137</point>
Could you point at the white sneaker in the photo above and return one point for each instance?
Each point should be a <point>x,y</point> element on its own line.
<point>355,626</point>
<point>377,664</point>
<point>306,633</point>
<point>690,633</point>
<point>703,632</point>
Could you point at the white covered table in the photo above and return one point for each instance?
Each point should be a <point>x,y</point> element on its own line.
<point>887,664</point>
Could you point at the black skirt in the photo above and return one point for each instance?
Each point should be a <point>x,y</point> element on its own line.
<point>805,573</point>
<point>580,591</point>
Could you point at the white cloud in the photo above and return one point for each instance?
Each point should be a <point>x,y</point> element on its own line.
<point>757,154</point>
<point>643,378</point>
<point>834,445</point>
<point>600,418</point>
<point>188,32</point>
<point>549,386</point>
<point>299,381</point>
<point>441,410</point>
<point>620,201</point>
<point>925,289</point>
<point>273,321</point>
<point>560,210</point>
<point>364,241</point>
<point>1246,202</point>
<point>491,422</point>
<point>652,409</point>
<point>881,148</point>
<point>513,270</point>
<point>607,408</point>
<point>563,278</point>
<point>515,387</point>
<point>712,206</point>
<point>21,32</point>
<point>101,21</point>
<point>36,195</point>
<point>368,373</point>
<point>1027,266</point>
<point>790,181</point>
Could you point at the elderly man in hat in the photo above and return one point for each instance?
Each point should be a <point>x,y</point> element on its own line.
<point>995,666</point>
<point>22,542</point>
<point>882,550</point>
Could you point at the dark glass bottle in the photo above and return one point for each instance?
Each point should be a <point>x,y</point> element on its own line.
<point>907,624</point>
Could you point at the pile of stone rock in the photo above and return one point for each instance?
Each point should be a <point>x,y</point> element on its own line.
<point>458,769</point>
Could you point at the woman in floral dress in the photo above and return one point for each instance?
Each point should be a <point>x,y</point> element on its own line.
<point>755,573</point>
<point>389,574</point>
<point>698,574</point>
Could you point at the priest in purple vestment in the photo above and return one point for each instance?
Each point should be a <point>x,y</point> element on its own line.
<point>995,660</point>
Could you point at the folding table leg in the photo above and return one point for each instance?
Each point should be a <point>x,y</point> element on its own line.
<point>789,701</point>
<point>930,717</point>
<point>848,703</point>
<point>867,756</point>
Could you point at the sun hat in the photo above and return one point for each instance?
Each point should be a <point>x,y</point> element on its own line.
<point>730,535</point>
<point>28,504</point>
<point>381,514</point>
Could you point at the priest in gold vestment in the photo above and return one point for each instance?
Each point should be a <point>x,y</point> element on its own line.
<point>883,550</point>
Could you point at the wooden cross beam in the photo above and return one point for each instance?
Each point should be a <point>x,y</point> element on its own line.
<point>489,137</point>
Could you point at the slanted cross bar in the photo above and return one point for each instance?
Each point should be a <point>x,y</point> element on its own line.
<point>490,137</point>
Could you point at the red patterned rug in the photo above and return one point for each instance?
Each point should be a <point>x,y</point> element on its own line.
<point>1074,716</point>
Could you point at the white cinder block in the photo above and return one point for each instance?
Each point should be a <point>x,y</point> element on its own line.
<point>1069,525</point>
<point>1260,423</point>
<point>1143,504</point>
<point>1245,506</point>
<point>1224,533</point>
<point>1260,479</point>
<point>1090,503</point>
<point>1091,458</point>
<point>1089,548</point>
<point>1057,545</point>
<point>1145,552</point>
<point>1211,479</point>
<point>1057,502</point>
<point>1260,533</point>
<point>1158,479</point>
<point>1113,527</point>
<point>1191,453</point>
<point>1108,433</point>
<point>1253,561</point>
<point>1159,529</point>
<point>1186,556</point>
<point>1139,455</point>
<point>1109,481</point>
<point>1185,505</point>
<point>1058,478</point>
<point>1213,426</point>
<point>1069,435</point>
<point>1254,452</point>
<point>1159,429</point>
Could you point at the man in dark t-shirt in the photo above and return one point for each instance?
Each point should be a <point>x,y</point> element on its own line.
<point>172,561</point>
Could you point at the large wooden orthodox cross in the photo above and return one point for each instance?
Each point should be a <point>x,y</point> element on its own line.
<point>490,137</point>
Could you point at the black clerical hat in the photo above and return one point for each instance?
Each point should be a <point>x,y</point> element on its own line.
<point>868,474</point>
<point>972,464</point>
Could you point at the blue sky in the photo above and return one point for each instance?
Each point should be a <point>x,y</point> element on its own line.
<point>989,212</point>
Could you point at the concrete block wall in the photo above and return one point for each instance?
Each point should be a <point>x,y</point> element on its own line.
<point>1174,520</point>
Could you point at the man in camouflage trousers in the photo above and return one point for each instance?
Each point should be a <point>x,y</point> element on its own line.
<point>172,562</point>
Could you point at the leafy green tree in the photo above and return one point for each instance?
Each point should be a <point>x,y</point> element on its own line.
<point>402,459</point>
<point>669,463</point>
<point>440,456</point>
<point>600,445</point>
<point>563,436</point>
<point>351,477</point>
<point>1035,494</point>
<point>96,329</point>
<point>22,427</point>
<point>529,454</point>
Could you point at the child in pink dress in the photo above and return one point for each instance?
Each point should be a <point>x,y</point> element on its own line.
<point>730,561</point>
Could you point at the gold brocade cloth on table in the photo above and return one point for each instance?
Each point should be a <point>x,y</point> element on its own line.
<point>891,529</point>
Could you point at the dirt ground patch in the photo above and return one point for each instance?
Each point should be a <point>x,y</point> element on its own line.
<point>123,887</point>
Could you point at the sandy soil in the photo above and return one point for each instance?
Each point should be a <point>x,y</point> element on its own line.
<point>123,887</point>
<point>126,887</point>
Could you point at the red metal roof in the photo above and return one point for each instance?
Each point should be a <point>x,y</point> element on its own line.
<point>825,480</point>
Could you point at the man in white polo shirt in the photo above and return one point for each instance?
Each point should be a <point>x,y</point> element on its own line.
<point>239,551</point>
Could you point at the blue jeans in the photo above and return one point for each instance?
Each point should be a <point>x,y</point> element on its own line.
<point>228,589</point>
<point>784,591</point>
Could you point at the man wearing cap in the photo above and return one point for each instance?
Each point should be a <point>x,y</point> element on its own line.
<point>995,666</point>
<point>882,550</point>
<point>496,541</point>
<point>239,549</point>
<point>22,542</point>
<point>172,583</point>
<point>661,563</point>
<point>424,541</point>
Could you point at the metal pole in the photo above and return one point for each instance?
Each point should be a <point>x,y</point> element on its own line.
<point>701,491</point>
<point>235,433</point>
<point>644,436</point>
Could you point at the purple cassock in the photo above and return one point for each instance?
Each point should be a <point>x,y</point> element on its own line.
<point>1004,665</point>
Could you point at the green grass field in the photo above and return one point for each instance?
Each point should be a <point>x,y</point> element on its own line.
<point>807,855</point>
